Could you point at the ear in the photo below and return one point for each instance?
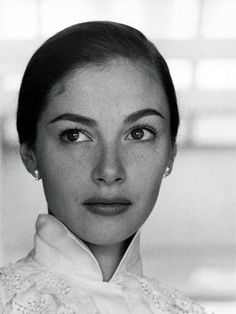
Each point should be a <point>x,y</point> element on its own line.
<point>172,157</point>
<point>28,157</point>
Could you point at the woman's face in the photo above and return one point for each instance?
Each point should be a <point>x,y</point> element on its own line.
<point>105,134</point>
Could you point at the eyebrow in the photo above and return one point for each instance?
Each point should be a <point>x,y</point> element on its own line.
<point>75,118</point>
<point>142,113</point>
<point>93,123</point>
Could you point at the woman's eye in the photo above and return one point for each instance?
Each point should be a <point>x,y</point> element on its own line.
<point>141,133</point>
<point>74,136</point>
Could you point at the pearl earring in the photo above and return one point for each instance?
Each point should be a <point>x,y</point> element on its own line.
<point>36,175</point>
<point>167,171</point>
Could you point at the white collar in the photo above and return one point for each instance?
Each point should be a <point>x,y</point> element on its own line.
<point>58,249</point>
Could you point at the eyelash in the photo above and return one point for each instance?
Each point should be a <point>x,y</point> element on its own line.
<point>139,126</point>
<point>65,132</point>
<point>144,126</point>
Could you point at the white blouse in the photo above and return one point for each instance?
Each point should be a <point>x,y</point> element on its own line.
<point>61,276</point>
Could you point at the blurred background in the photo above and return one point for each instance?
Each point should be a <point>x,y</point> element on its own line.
<point>190,239</point>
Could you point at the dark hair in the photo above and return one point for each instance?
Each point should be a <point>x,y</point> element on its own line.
<point>77,46</point>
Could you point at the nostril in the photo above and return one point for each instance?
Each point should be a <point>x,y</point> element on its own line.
<point>108,180</point>
<point>101,179</point>
<point>118,179</point>
<point>104,180</point>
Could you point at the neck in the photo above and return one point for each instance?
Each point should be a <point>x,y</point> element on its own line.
<point>109,256</point>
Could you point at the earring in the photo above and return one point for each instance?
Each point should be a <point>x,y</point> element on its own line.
<point>36,175</point>
<point>167,171</point>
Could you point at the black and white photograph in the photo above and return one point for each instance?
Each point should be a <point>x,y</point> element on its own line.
<point>117,156</point>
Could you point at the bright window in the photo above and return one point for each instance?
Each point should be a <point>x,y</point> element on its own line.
<point>157,19</point>
<point>219,19</point>
<point>57,14</point>
<point>181,71</point>
<point>218,130</point>
<point>172,19</point>
<point>216,74</point>
<point>18,19</point>
<point>11,82</point>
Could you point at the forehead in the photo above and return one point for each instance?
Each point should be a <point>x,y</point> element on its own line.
<point>115,88</point>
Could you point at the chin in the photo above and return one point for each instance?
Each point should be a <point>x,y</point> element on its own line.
<point>106,239</point>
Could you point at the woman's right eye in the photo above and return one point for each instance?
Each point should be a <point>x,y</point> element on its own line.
<point>74,136</point>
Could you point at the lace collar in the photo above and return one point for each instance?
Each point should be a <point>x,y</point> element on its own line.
<point>55,247</point>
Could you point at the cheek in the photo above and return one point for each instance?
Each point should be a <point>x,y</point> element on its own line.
<point>145,172</point>
<point>64,168</point>
<point>52,155</point>
<point>148,183</point>
<point>148,164</point>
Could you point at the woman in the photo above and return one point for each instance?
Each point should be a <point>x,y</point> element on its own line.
<point>97,122</point>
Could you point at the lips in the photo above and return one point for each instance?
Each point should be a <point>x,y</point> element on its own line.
<point>102,200</point>
<point>107,206</point>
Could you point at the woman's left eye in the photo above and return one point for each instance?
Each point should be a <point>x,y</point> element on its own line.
<point>141,133</point>
<point>74,136</point>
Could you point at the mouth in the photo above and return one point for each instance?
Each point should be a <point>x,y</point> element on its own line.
<point>107,207</point>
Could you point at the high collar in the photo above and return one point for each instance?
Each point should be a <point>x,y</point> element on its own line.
<point>55,247</point>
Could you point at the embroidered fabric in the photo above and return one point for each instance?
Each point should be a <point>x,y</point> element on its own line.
<point>168,300</point>
<point>63,277</point>
<point>48,293</point>
<point>45,293</point>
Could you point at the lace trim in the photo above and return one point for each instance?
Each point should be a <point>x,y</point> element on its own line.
<point>45,304</point>
<point>12,282</point>
<point>159,298</point>
<point>168,300</point>
<point>46,293</point>
<point>48,282</point>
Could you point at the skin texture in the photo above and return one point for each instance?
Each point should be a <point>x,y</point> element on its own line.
<point>104,161</point>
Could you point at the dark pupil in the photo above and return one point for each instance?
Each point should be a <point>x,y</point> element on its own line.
<point>137,134</point>
<point>72,136</point>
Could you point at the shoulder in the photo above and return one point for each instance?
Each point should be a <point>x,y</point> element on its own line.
<point>168,299</point>
<point>27,287</point>
<point>15,280</point>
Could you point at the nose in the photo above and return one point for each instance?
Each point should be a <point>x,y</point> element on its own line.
<point>109,167</point>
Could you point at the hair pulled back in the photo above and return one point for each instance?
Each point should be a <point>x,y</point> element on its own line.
<point>77,46</point>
